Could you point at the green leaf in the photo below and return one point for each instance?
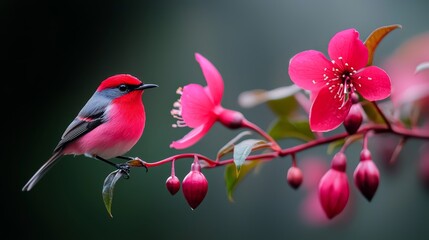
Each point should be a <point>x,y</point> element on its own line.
<point>335,145</point>
<point>375,38</point>
<point>283,128</point>
<point>244,148</point>
<point>371,112</point>
<point>232,179</point>
<point>283,107</point>
<point>108,186</point>
<point>229,147</point>
<point>340,142</point>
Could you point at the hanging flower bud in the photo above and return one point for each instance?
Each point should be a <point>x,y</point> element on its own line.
<point>366,175</point>
<point>195,185</point>
<point>172,183</point>
<point>353,119</point>
<point>334,187</point>
<point>294,177</point>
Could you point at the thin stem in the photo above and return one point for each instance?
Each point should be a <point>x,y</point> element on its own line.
<point>377,129</point>
<point>293,160</point>
<point>365,141</point>
<point>389,126</point>
<point>173,172</point>
<point>254,127</point>
<point>397,150</point>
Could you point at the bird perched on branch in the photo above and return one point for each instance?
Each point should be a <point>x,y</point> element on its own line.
<point>108,126</point>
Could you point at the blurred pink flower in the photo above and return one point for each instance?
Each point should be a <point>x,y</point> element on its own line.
<point>333,81</point>
<point>407,85</point>
<point>424,165</point>
<point>311,210</point>
<point>410,89</point>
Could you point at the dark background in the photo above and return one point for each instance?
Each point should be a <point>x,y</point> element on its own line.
<point>57,52</point>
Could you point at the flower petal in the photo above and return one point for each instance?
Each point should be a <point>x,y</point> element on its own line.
<point>192,137</point>
<point>327,112</point>
<point>372,83</point>
<point>197,107</point>
<point>213,78</point>
<point>307,69</point>
<point>346,47</point>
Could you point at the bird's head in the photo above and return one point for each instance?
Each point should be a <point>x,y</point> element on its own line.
<point>123,86</point>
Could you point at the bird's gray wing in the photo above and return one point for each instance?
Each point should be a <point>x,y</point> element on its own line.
<point>90,117</point>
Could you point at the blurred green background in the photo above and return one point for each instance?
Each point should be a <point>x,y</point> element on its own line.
<point>58,52</point>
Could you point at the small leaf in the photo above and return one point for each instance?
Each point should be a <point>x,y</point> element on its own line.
<point>340,142</point>
<point>229,147</point>
<point>108,186</point>
<point>371,112</point>
<point>283,128</point>
<point>283,107</point>
<point>422,66</point>
<point>335,145</point>
<point>375,38</point>
<point>231,178</point>
<point>244,148</point>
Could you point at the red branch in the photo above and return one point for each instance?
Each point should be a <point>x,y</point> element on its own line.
<point>377,129</point>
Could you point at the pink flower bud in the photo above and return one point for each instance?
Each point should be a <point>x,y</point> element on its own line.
<point>231,119</point>
<point>334,187</point>
<point>195,185</point>
<point>173,184</point>
<point>294,177</point>
<point>366,175</point>
<point>353,120</point>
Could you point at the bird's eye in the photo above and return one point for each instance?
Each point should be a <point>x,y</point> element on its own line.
<point>123,88</point>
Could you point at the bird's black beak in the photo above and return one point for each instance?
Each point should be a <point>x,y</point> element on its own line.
<point>145,86</point>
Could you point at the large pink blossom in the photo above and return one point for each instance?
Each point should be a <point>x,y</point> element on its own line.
<point>200,107</point>
<point>332,81</point>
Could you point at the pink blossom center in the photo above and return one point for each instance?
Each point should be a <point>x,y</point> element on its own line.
<point>339,79</point>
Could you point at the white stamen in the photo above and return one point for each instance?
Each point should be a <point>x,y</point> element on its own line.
<point>177,104</point>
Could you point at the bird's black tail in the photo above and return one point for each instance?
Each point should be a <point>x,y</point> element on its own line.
<point>42,171</point>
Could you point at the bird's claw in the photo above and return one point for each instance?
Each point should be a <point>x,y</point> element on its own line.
<point>137,162</point>
<point>124,168</point>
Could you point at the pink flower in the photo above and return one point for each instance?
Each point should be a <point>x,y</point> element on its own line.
<point>410,88</point>
<point>333,81</point>
<point>200,107</point>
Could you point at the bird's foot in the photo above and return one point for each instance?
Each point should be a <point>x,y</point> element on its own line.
<point>137,162</point>
<point>124,168</point>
